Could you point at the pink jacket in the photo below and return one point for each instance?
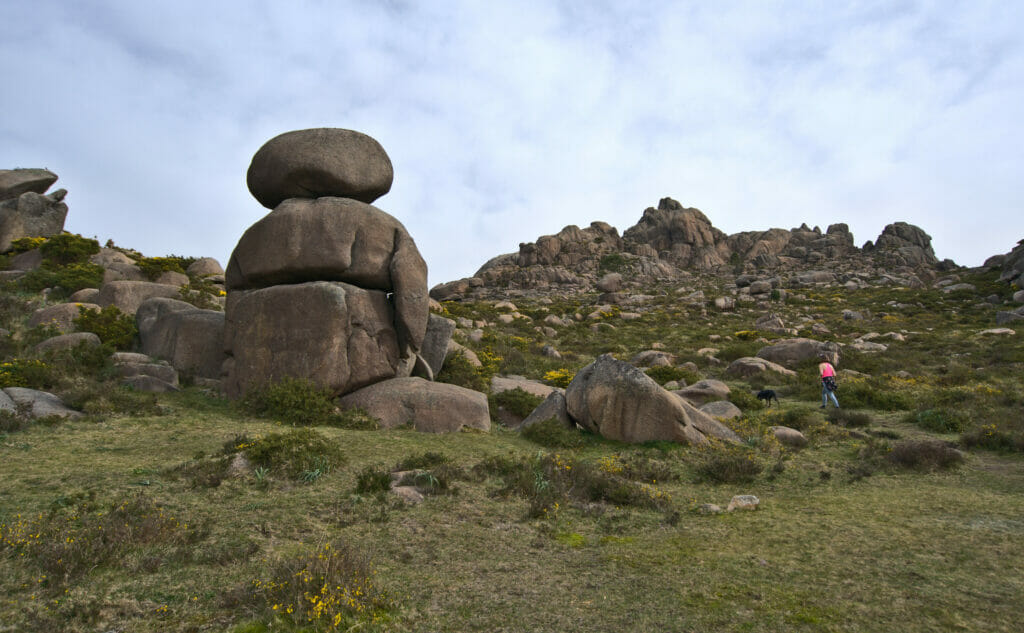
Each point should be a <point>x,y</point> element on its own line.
<point>826,369</point>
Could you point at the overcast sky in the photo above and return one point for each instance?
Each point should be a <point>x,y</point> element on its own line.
<point>508,120</point>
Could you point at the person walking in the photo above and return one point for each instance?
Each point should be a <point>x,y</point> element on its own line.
<point>828,381</point>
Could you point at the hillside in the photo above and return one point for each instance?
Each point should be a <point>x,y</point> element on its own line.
<point>136,509</point>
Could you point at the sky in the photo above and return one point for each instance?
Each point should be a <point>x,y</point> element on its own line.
<point>506,120</point>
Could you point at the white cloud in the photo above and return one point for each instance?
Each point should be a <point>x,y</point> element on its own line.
<point>509,120</point>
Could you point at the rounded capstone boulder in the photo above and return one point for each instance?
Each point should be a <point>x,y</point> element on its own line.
<point>319,162</point>
<point>430,407</point>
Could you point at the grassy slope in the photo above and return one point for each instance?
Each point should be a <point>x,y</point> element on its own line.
<point>827,550</point>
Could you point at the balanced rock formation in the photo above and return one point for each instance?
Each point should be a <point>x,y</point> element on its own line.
<point>325,287</point>
<point>318,163</point>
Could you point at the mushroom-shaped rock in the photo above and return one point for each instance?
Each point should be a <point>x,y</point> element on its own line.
<point>317,163</point>
<point>336,239</point>
<point>620,402</point>
<point>337,335</point>
<point>431,407</point>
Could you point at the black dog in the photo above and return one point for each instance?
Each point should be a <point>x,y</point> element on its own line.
<point>767,395</point>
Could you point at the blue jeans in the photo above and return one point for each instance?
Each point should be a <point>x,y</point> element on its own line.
<point>825,393</point>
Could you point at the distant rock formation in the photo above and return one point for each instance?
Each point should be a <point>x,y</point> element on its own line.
<point>671,241</point>
<point>24,209</point>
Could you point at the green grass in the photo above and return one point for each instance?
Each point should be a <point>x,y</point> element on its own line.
<point>821,552</point>
<point>874,526</point>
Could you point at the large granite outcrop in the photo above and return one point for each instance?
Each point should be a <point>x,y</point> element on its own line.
<point>325,287</point>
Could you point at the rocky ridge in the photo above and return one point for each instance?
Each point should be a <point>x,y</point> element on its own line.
<point>671,242</point>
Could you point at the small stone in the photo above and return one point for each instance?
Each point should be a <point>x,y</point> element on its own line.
<point>710,508</point>
<point>743,502</point>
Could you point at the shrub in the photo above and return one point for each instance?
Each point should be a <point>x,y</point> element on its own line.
<point>19,372</point>
<point>738,349</point>
<point>550,481</point>
<point>848,418</point>
<point>294,401</point>
<point>559,377</point>
<point>373,480</point>
<point>552,433</point>
<point>925,454</point>
<point>745,400</point>
<point>516,401</point>
<point>427,459</point>
<point>332,587</point>
<point>354,419</point>
<point>801,419</point>
<point>612,263</point>
<point>67,249</point>
<point>67,545</point>
<point>940,420</point>
<point>457,370</point>
<point>990,437</point>
<point>25,244</point>
<point>67,279</point>
<point>112,326</point>
<point>153,267</point>
<point>728,465</point>
<point>293,453</point>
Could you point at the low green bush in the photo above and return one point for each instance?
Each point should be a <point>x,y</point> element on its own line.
<point>67,249</point>
<point>516,401</point>
<point>990,437</point>
<point>940,420</point>
<point>292,453</point>
<point>745,400</point>
<point>553,433</point>
<point>153,267</point>
<point>457,370</point>
<point>664,374</point>
<point>300,402</point>
<point>112,326</point>
<point>63,280</point>
<point>373,480</point>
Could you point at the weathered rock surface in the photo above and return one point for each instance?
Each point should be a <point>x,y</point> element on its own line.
<point>508,383</point>
<point>14,182</point>
<point>788,436</point>
<point>129,295</point>
<point>190,339</point>
<point>750,365</point>
<point>793,351</point>
<point>40,404</point>
<point>435,342</point>
<point>317,163</point>
<point>721,410</point>
<point>336,239</point>
<point>552,407</point>
<point>60,316</point>
<point>205,267</point>
<point>704,391</point>
<point>65,342</point>
<point>31,215</point>
<point>620,402</point>
<point>431,407</point>
<point>337,335</point>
